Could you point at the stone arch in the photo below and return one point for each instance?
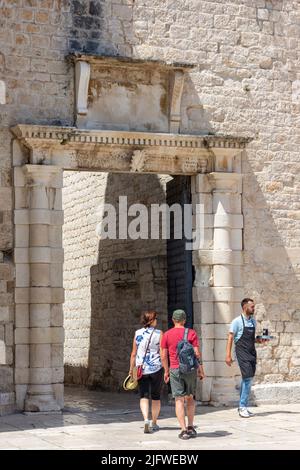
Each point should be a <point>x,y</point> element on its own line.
<point>214,164</point>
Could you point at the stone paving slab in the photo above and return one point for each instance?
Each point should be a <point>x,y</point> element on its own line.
<point>95,420</point>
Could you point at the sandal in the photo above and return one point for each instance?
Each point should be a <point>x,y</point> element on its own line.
<point>191,431</point>
<point>184,435</point>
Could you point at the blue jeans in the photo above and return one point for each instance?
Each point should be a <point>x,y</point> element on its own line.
<point>245,392</point>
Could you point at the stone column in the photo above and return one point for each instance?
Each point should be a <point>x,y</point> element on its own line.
<point>218,282</point>
<point>39,293</point>
<point>202,260</point>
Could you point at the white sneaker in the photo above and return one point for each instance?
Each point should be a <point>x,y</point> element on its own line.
<point>250,412</point>
<point>244,413</point>
<point>147,427</point>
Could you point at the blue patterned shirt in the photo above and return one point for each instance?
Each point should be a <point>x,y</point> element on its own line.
<point>152,361</point>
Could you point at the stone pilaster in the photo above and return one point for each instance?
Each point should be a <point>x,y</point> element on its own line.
<point>218,281</point>
<point>39,293</point>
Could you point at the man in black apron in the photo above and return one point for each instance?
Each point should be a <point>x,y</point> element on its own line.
<point>242,333</point>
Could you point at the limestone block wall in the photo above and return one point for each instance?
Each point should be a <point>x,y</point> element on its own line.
<point>121,290</point>
<point>82,195</point>
<point>36,87</point>
<point>6,280</point>
<point>247,83</point>
<point>102,310</point>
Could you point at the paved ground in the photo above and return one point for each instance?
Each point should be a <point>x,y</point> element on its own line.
<point>97,420</point>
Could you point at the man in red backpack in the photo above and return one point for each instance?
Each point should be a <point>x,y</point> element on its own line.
<point>183,385</point>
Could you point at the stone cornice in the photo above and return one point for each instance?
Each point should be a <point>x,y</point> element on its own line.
<point>34,135</point>
<point>128,61</point>
<point>121,151</point>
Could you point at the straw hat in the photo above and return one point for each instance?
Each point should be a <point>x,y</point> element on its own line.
<point>130,383</point>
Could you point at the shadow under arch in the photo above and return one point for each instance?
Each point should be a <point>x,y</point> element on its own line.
<point>129,277</point>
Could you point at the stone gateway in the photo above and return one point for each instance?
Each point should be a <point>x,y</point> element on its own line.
<point>162,102</point>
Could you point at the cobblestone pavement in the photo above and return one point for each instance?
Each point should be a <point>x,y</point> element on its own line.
<point>98,420</point>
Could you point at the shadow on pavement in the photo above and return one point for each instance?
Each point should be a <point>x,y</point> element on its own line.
<point>267,413</point>
<point>214,434</point>
<point>84,407</point>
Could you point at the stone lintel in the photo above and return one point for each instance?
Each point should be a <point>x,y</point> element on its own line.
<point>120,151</point>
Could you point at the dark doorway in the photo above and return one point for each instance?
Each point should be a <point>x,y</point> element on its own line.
<point>179,260</point>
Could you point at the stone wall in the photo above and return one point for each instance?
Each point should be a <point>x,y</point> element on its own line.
<point>107,282</point>
<point>36,87</point>
<point>121,290</point>
<point>6,279</point>
<point>247,83</point>
<point>82,195</point>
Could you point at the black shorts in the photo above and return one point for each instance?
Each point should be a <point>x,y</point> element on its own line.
<point>151,384</point>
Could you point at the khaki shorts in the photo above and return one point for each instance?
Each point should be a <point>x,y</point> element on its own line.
<point>183,384</point>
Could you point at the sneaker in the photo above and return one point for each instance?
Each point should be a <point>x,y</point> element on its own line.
<point>155,427</point>
<point>243,412</point>
<point>184,435</point>
<point>191,431</point>
<point>250,412</point>
<point>147,429</point>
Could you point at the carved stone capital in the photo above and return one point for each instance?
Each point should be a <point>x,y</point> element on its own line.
<point>43,175</point>
<point>225,182</point>
<point>223,160</point>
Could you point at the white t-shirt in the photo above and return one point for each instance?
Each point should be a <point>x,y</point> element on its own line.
<point>152,361</point>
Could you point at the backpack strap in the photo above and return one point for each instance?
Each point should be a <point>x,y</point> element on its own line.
<point>147,348</point>
<point>186,332</point>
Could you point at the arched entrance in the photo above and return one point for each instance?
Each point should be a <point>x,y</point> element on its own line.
<point>214,166</point>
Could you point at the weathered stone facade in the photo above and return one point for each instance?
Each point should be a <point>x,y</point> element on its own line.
<point>245,82</point>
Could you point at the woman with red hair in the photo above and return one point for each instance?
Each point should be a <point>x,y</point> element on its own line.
<point>146,353</point>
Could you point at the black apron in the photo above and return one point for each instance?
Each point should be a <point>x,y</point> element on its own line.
<point>246,352</point>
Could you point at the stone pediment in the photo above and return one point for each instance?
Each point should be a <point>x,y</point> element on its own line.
<point>126,94</point>
<point>128,120</point>
<point>116,151</point>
